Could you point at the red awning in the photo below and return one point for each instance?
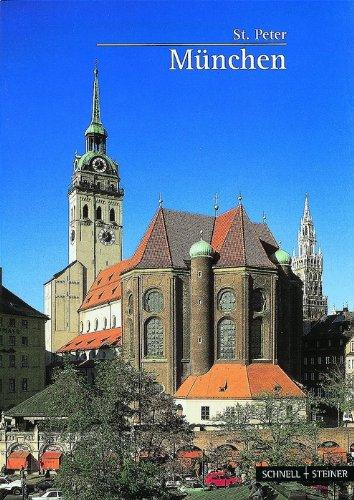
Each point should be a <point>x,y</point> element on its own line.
<point>18,460</point>
<point>51,460</point>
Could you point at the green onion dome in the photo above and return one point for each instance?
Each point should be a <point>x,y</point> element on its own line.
<point>281,257</point>
<point>201,249</point>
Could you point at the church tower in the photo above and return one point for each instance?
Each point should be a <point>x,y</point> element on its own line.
<point>95,200</point>
<point>94,232</point>
<point>308,265</point>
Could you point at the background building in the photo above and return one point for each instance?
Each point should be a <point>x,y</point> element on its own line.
<point>308,265</point>
<point>22,349</point>
<point>94,231</point>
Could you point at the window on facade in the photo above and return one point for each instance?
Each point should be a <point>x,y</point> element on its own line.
<point>258,301</point>
<point>99,213</point>
<point>12,340</point>
<point>352,346</point>
<point>154,338</point>
<point>319,360</point>
<point>227,300</point>
<point>24,341</point>
<point>12,322</point>
<point>256,339</point>
<point>328,360</point>
<point>85,212</point>
<point>330,343</point>
<point>81,326</point>
<point>153,301</point>
<point>24,384</point>
<point>305,376</point>
<point>226,339</point>
<point>305,360</point>
<point>112,215</point>
<point>312,360</point>
<point>130,304</point>
<point>88,326</point>
<point>12,360</point>
<point>114,321</point>
<point>96,324</point>
<point>312,376</point>
<point>130,330</point>
<point>24,323</point>
<point>12,385</point>
<point>105,323</point>
<point>205,412</point>
<point>24,361</point>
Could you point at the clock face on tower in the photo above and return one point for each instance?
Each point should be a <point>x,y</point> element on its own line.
<point>99,164</point>
<point>106,237</point>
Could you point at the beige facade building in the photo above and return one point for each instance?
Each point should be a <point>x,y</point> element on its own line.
<point>22,351</point>
<point>94,232</point>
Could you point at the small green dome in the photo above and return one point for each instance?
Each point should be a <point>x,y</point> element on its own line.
<point>96,128</point>
<point>281,257</point>
<point>201,249</point>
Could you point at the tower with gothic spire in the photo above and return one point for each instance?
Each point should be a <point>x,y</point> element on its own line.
<point>308,265</point>
<point>95,200</point>
<point>94,230</point>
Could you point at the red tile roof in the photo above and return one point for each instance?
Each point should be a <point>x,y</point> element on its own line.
<point>236,381</point>
<point>95,340</point>
<point>166,243</point>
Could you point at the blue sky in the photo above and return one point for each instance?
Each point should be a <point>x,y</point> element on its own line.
<point>272,135</point>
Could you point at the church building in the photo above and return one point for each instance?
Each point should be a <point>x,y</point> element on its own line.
<point>202,292</point>
<point>94,231</point>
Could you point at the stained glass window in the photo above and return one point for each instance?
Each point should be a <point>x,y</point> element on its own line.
<point>154,338</point>
<point>153,301</point>
<point>227,339</point>
<point>227,301</point>
<point>256,341</point>
<point>258,300</point>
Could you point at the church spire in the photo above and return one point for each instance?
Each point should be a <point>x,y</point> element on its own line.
<point>96,110</point>
<point>96,134</point>
<point>308,265</point>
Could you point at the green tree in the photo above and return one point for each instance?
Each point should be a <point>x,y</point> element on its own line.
<point>120,432</point>
<point>337,391</point>
<point>273,430</point>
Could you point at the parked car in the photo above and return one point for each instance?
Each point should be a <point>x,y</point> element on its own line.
<point>14,487</point>
<point>219,479</point>
<point>49,494</point>
<point>44,485</point>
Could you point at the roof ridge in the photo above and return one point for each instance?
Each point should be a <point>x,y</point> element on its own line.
<point>241,210</point>
<point>166,234</point>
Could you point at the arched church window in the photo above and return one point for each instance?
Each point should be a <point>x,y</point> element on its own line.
<point>85,212</point>
<point>256,339</point>
<point>227,300</point>
<point>154,338</point>
<point>130,331</point>
<point>96,324</point>
<point>114,321</point>
<point>88,326</point>
<point>99,213</point>
<point>258,300</point>
<point>130,306</point>
<point>112,215</point>
<point>226,341</point>
<point>153,301</point>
